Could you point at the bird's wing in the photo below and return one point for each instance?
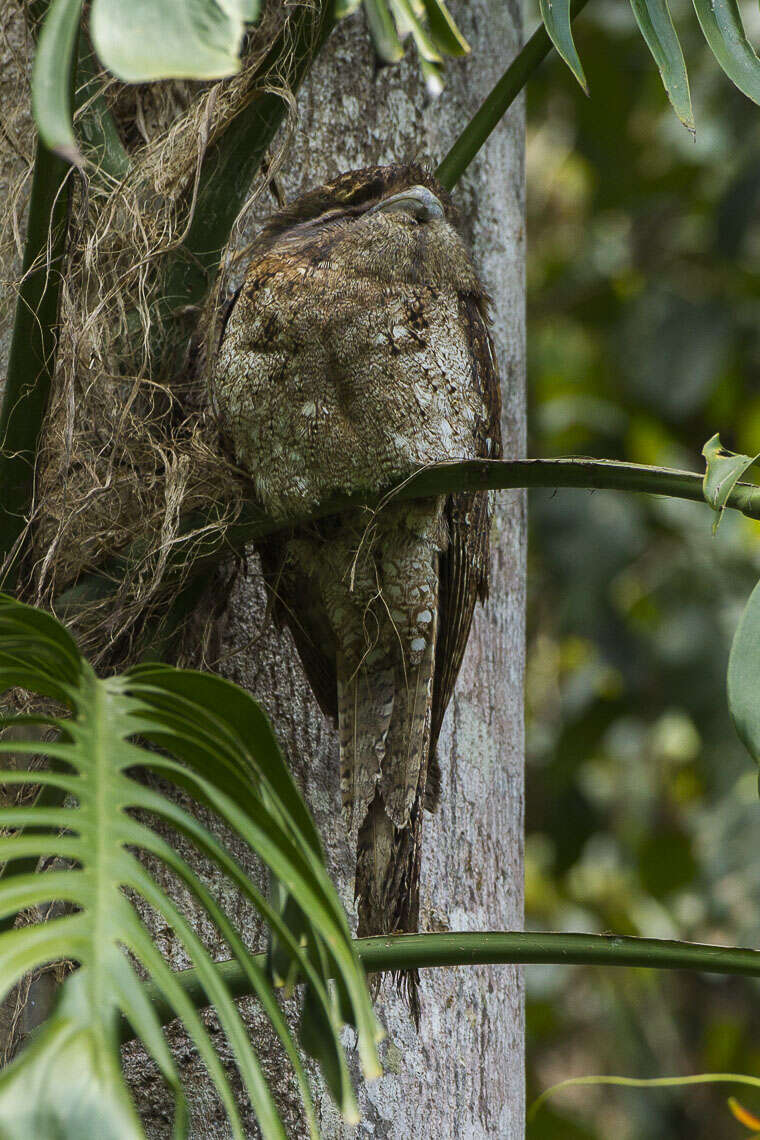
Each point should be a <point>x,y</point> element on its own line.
<point>464,565</point>
<point>289,594</point>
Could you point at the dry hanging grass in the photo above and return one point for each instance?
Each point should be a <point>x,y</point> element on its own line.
<point>129,445</point>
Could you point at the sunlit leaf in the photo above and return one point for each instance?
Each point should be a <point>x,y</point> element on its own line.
<point>556,17</point>
<point>51,78</point>
<point>446,35</point>
<point>656,25</point>
<point>146,40</point>
<point>163,39</point>
<point>427,22</point>
<point>217,746</point>
<point>433,73</point>
<point>723,471</point>
<point>383,31</point>
<point>724,31</point>
<point>407,21</point>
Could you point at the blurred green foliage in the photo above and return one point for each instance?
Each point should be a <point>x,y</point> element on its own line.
<point>644,340</point>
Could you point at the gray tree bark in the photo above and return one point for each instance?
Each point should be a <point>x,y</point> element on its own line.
<point>461,1075</point>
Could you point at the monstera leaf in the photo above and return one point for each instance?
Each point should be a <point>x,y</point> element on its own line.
<point>105,740</point>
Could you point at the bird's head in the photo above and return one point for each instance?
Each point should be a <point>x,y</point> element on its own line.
<point>391,223</point>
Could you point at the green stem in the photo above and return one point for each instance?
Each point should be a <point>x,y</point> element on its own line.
<point>439,479</point>
<point>426,951</point>
<point>645,1083</point>
<point>497,103</point>
<point>593,474</point>
<point>33,346</point>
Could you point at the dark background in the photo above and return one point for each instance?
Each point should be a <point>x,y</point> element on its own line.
<point>642,813</point>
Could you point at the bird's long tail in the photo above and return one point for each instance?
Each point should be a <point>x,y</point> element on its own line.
<point>389,821</point>
<point>384,711</point>
<point>388,883</point>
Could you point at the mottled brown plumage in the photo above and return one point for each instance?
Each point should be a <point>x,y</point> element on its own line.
<point>357,351</point>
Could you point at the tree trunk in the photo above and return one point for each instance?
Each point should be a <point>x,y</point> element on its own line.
<point>461,1075</point>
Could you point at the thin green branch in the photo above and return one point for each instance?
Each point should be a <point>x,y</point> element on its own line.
<point>497,103</point>
<point>428,951</point>
<point>208,547</point>
<point>645,1083</point>
<point>594,474</point>
<point>419,951</point>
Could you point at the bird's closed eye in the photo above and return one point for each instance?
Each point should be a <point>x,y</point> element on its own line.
<point>417,201</point>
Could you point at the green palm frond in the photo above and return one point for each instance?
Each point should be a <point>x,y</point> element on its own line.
<point>210,739</point>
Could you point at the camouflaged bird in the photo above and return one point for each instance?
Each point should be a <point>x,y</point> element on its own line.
<point>357,351</point>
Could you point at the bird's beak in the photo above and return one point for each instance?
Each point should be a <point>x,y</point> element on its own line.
<point>418,201</point>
